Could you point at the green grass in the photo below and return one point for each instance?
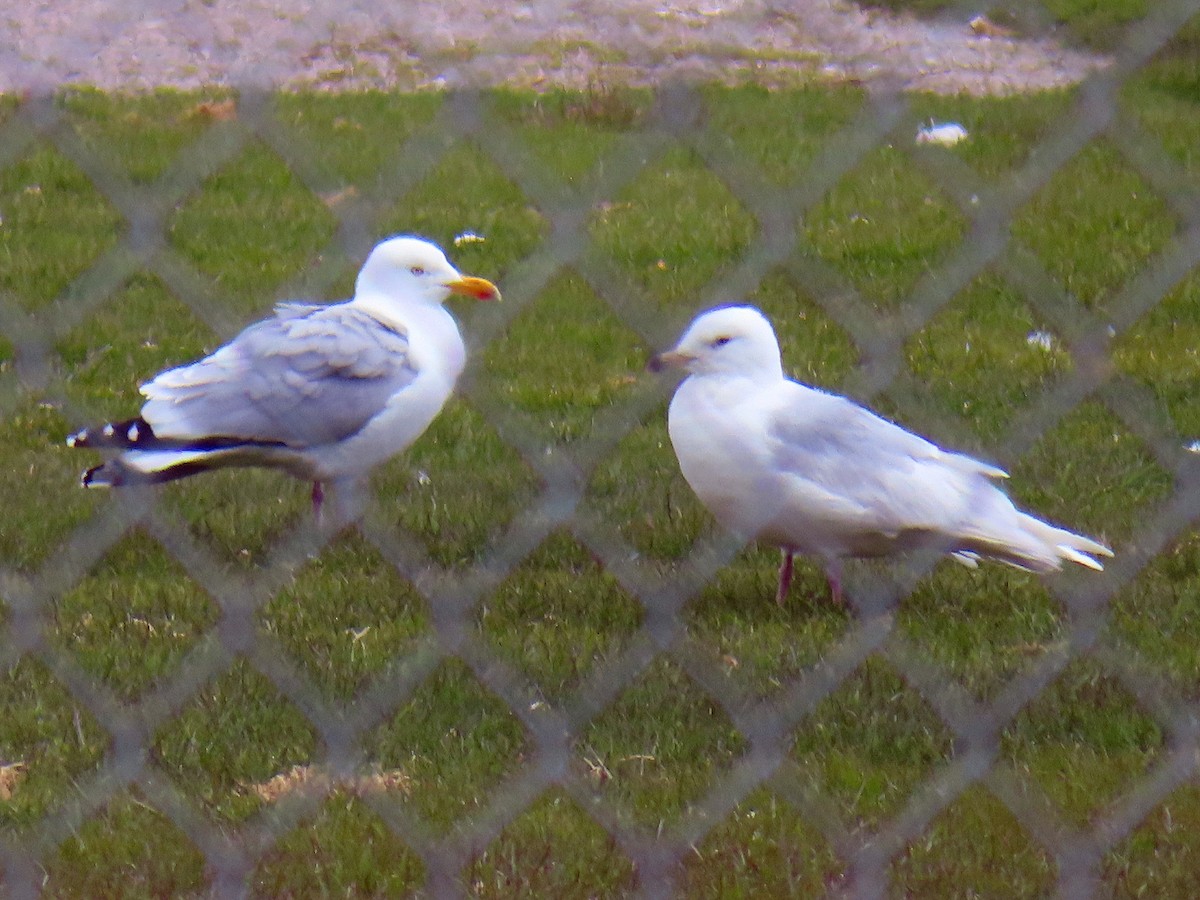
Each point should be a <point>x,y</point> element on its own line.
<point>558,395</point>
<point>983,627</point>
<point>974,848</point>
<point>157,126</point>
<point>1158,613</point>
<point>128,850</point>
<point>131,630</point>
<point>1083,741</point>
<point>55,226</point>
<point>799,122</point>
<point>351,138</point>
<point>883,226</point>
<point>655,750</point>
<point>569,132</point>
<point>348,851</point>
<point>651,229</point>
<point>1160,857</point>
<point>551,850</point>
<point>238,732</point>
<point>558,615</point>
<point>978,361</point>
<point>761,646</point>
<point>468,192</point>
<point>54,739</point>
<point>455,739</point>
<point>869,744</point>
<point>764,848</point>
<point>346,616</point>
<point>249,228</point>
<point>457,488</point>
<point>105,359</point>
<point>556,366</point>
<point>1159,352</point>
<point>1093,241</point>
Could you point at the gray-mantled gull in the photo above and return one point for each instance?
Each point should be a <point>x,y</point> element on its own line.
<point>812,472</point>
<point>321,392</point>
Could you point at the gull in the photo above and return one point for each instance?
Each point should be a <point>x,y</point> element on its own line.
<point>322,392</point>
<point>814,473</point>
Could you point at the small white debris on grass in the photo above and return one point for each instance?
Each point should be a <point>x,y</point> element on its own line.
<point>1193,447</point>
<point>1043,339</point>
<point>947,134</point>
<point>468,237</point>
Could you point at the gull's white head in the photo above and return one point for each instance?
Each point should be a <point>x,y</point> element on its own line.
<point>729,340</point>
<point>415,269</point>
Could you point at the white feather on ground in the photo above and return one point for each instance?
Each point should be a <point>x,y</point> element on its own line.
<point>814,473</point>
<point>322,392</point>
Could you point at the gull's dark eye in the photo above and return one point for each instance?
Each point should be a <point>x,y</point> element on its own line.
<point>722,341</point>
<point>417,270</point>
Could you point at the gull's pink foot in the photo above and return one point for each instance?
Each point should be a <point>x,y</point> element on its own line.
<point>785,577</point>
<point>833,574</point>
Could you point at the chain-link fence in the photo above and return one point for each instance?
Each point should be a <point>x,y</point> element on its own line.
<point>554,744</point>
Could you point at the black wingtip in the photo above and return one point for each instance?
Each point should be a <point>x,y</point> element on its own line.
<point>128,434</point>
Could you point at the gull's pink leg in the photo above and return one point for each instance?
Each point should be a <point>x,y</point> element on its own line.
<point>318,498</point>
<point>785,577</point>
<point>833,574</point>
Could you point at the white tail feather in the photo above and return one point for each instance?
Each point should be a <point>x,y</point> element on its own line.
<point>147,461</point>
<point>1070,553</point>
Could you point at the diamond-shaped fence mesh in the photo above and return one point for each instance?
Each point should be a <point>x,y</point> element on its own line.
<point>450,589</point>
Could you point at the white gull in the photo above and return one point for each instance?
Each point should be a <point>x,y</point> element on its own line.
<point>814,473</point>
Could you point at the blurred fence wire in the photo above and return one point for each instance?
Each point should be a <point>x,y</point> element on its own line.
<point>676,119</point>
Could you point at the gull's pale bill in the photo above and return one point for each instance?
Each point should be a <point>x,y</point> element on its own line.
<point>814,473</point>
<point>323,392</point>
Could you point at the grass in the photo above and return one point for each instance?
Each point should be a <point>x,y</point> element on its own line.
<point>884,226</point>
<point>763,848</point>
<point>985,336</point>
<point>348,851</point>
<point>558,397</point>
<point>552,849</point>
<point>558,614</point>
<point>869,744</point>
<point>230,231</point>
<point>650,230</point>
<point>568,602</point>
<point>974,848</point>
<point>455,739</point>
<point>1071,228</point>
<point>55,226</point>
<point>128,849</point>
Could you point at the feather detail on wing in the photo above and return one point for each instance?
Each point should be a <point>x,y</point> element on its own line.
<point>899,479</point>
<point>310,375</point>
<point>815,424</point>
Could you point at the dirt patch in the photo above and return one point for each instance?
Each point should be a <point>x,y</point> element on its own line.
<point>114,44</point>
<point>11,775</point>
<point>317,779</point>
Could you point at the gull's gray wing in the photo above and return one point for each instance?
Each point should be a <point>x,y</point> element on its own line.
<point>834,434</point>
<point>310,375</point>
<point>863,473</point>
